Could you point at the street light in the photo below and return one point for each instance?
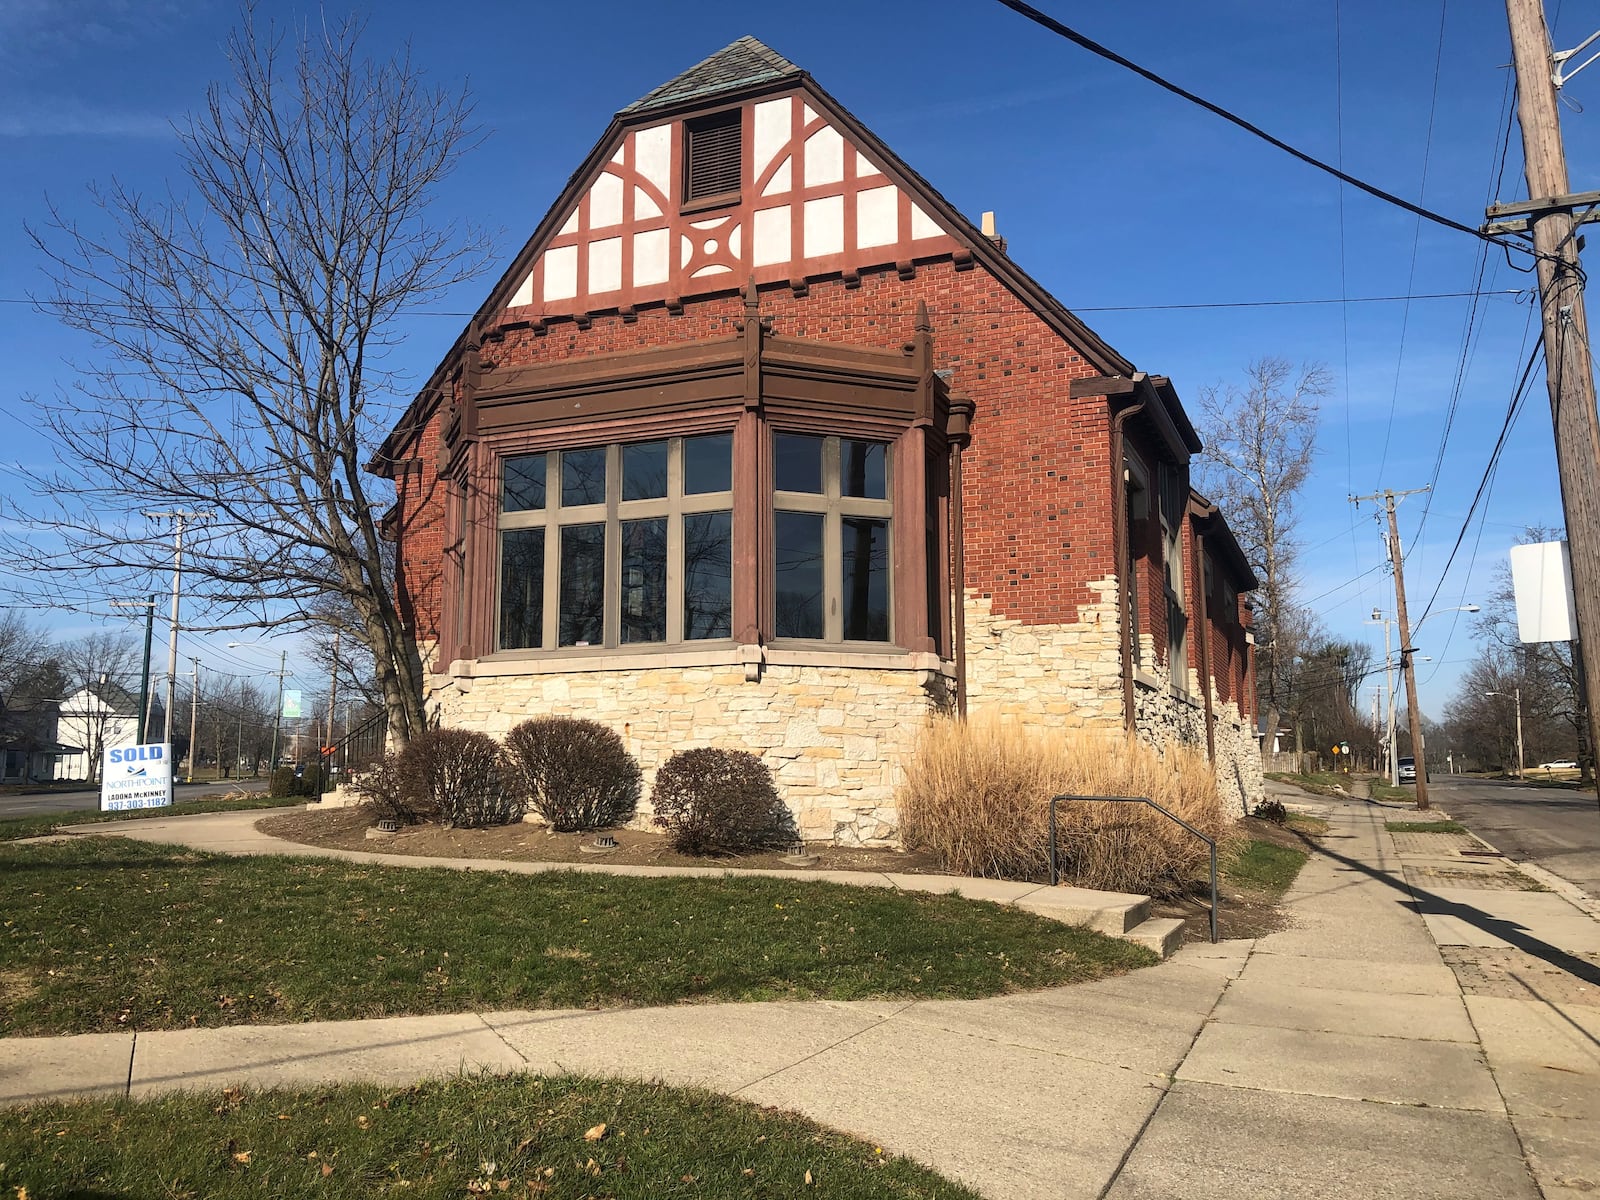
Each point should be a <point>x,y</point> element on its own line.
<point>277,715</point>
<point>1517,692</point>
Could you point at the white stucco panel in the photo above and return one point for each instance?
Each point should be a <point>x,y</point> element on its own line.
<point>771,242</point>
<point>922,225</point>
<point>605,265</point>
<point>824,227</point>
<point>780,181</point>
<point>824,157</point>
<point>644,204</point>
<point>524,294</point>
<point>864,167</point>
<point>650,257</point>
<point>561,273</point>
<point>877,217</point>
<point>571,225</point>
<point>605,202</point>
<point>652,157</point>
<point>770,131</point>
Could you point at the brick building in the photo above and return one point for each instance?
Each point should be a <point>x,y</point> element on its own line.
<point>759,443</point>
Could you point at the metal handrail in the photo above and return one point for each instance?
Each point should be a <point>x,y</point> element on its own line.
<point>1211,842</point>
<point>348,753</point>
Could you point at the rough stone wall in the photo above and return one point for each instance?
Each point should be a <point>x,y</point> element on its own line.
<point>1164,716</point>
<point>834,737</point>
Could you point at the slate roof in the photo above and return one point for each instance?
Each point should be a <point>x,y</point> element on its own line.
<point>742,64</point>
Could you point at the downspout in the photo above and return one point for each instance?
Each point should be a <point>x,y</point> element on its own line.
<point>959,432</point>
<point>1206,677</point>
<point>1119,535</point>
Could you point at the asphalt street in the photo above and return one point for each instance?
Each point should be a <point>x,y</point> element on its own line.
<point>1555,828</point>
<point>54,802</point>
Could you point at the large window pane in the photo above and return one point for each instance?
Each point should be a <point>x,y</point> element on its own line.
<point>708,576</point>
<point>798,552</point>
<point>521,589</point>
<point>644,580</point>
<point>522,484</point>
<point>583,476</point>
<point>708,464</point>
<point>865,553</point>
<point>862,470</point>
<point>644,471</point>
<point>797,463</point>
<point>583,585</point>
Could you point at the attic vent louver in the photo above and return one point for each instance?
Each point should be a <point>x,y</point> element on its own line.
<point>713,156</point>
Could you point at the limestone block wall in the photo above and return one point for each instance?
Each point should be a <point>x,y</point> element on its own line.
<point>834,736</point>
<point>1059,676</point>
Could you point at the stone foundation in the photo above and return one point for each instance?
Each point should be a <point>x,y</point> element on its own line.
<point>834,735</point>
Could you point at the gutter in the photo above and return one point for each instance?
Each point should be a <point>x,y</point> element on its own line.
<point>1119,535</point>
<point>1205,511</point>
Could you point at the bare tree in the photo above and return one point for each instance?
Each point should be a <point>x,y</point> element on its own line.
<point>245,327</point>
<point>1260,438</point>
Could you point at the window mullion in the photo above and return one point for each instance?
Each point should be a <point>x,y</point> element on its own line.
<point>552,561</point>
<point>611,623</point>
<point>675,565</point>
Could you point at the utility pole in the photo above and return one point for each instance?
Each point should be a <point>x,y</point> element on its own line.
<point>147,698</point>
<point>1392,764</point>
<point>1569,369</point>
<point>277,715</point>
<point>194,711</point>
<point>178,520</point>
<point>1419,752</point>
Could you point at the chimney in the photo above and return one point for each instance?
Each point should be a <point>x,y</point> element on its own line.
<point>988,232</point>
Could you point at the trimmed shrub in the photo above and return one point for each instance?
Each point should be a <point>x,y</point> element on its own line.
<point>1272,810</point>
<point>714,801</point>
<point>977,795</point>
<point>392,794</point>
<point>283,783</point>
<point>459,775</point>
<point>574,773</point>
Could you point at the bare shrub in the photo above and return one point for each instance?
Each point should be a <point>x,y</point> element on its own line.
<point>574,773</point>
<point>391,794</point>
<point>977,795</point>
<point>720,801</point>
<point>461,775</point>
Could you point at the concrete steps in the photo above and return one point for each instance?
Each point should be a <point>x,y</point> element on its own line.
<point>1162,934</point>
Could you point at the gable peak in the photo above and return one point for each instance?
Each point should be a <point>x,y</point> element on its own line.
<point>740,64</point>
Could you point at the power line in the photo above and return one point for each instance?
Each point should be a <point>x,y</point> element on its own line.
<point>1078,39</point>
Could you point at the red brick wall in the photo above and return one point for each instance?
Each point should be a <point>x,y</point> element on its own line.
<point>1037,474</point>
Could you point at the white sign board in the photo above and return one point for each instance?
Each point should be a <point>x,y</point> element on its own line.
<point>291,704</point>
<point>1541,577</point>
<point>136,777</point>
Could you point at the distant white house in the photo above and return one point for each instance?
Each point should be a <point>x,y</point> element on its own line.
<point>93,720</point>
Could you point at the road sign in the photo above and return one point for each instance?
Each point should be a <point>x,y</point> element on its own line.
<point>291,704</point>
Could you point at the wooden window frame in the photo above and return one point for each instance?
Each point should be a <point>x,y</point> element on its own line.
<point>611,513</point>
<point>1172,504</point>
<point>834,506</point>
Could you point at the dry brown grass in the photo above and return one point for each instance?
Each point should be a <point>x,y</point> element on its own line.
<point>977,795</point>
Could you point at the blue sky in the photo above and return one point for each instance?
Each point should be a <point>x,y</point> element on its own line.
<point>1118,197</point>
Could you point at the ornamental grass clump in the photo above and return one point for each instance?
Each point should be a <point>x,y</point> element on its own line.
<point>574,773</point>
<point>976,794</point>
<point>461,776</point>
<point>714,801</point>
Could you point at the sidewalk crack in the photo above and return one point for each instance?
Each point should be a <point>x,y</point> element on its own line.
<point>133,1047</point>
<point>833,1046</point>
<point>503,1040</point>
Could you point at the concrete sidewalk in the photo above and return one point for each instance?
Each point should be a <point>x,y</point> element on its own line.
<point>1346,1056</point>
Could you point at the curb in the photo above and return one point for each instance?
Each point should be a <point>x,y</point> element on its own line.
<point>1567,890</point>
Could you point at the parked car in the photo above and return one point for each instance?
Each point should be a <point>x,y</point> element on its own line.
<point>1565,764</point>
<point>1408,769</point>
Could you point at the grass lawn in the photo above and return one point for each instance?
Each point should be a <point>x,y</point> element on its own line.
<point>1263,867</point>
<point>107,933</point>
<point>40,824</point>
<point>1424,827</point>
<point>517,1136</point>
